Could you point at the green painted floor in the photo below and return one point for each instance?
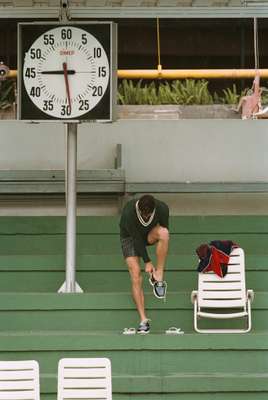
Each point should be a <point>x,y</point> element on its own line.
<point>38,323</point>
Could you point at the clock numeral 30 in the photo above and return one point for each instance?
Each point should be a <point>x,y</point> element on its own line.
<point>65,110</point>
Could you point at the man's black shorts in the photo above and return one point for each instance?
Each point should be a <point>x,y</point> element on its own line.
<point>127,246</point>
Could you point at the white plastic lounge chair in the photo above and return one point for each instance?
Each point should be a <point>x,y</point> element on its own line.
<point>19,380</point>
<point>223,298</point>
<point>84,378</point>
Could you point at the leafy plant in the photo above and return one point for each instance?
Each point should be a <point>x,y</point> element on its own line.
<point>230,96</point>
<point>7,95</point>
<point>186,92</point>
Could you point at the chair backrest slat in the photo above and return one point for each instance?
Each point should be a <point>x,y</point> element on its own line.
<point>84,378</point>
<point>19,380</point>
<point>227,292</point>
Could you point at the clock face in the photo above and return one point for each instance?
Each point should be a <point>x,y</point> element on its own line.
<point>66,72</point>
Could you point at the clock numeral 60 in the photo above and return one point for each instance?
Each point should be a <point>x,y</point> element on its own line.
<point>66,34</point>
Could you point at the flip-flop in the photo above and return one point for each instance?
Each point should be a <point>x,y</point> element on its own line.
<point>174,331</point>
<point>129,331</point>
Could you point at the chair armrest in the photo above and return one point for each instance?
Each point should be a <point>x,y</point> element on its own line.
<point>250,295</point>
<point>194,296</point>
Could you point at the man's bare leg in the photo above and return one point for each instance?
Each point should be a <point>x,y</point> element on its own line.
<point>160,236</point>
<point>136,281</point>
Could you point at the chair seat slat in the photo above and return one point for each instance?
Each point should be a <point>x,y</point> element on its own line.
<point>221,303</point>
<point>223,316</point>
<point>233,294</point>
<point>220,287</point>
<point>215,278</point>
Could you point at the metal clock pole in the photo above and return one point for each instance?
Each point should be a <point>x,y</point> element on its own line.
<point>70,285</point>
<point>70,179</point>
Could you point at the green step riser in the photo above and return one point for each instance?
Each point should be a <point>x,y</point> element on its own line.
<point>35,281</point>
<point>140,363</point>
<point>107,244</point>
<point>114,320</point>
<point>110,262</point>
<point>106,224</point>
<point>156,384</point>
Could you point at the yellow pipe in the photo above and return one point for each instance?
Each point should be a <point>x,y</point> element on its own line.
<point>190,73</point>
<point>160,73</point>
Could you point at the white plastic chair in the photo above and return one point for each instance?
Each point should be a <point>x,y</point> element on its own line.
<point>19,380</point>
<point>227,294</point>
<point>84,378</point>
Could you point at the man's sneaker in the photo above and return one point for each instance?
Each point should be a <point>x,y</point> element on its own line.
<point>144,327</point>
<point>159,287</point>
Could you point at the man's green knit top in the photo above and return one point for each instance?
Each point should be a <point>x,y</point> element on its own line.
<point>130,226</point>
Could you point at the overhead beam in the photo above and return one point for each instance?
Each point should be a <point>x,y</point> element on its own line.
<point>259,11</point>
<point>29,12</point>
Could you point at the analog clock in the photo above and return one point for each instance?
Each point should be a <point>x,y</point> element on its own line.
<point>66,72</point>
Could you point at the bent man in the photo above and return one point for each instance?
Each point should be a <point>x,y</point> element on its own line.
<point>144,222</point>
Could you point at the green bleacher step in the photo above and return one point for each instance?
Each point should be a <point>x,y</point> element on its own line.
<point>107,311</point>
<point>177,383</point>
<point>154,364</point>
<point>98,273</point>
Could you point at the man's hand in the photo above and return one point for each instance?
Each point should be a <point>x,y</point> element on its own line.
<point>149,268</point>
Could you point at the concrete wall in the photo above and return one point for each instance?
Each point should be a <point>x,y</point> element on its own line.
<point>166,150</point>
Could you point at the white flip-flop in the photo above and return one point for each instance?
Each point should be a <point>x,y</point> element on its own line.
<point>174,331</point>
<point>129,331</point>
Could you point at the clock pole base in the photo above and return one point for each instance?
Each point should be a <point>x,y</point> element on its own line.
<point>63,288</point>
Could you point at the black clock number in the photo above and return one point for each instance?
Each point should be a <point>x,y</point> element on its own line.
<point>49,39</point>
<point>102,72</point>
<point>83,105</point>
<point>35,91</point>
<point>48,105</point>
<point>35,53</point>
<point>97,90</point>
<point>30,73</point>
<point>66,34</point>
<point>84,38</point>
<point>97,52</point>
<point>65,110</point>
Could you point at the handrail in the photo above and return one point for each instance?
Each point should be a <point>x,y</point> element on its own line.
<point>182,73</point>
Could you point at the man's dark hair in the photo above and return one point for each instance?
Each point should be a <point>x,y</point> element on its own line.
<point>146,204</point>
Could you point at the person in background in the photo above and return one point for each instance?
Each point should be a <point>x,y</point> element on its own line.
<point>144,222</point>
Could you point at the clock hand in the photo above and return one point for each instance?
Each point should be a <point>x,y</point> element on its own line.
<point>56,72</point>
<point>65,71</point>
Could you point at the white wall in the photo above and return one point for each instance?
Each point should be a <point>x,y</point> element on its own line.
<point>166,150</point>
